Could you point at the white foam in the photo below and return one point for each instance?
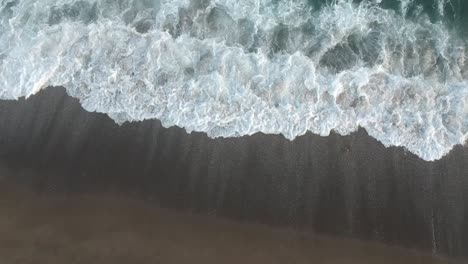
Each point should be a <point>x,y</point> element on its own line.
<point>232,68</point>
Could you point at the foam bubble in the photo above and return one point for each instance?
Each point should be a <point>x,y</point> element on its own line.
<point>232,68</point>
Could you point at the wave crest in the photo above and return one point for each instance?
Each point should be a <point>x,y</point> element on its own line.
<point>232,68</point>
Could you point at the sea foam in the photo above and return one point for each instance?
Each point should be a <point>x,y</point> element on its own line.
<point>236,67</point>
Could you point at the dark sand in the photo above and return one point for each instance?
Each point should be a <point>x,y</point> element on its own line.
<point>348,186</point>
<point>46,229</point>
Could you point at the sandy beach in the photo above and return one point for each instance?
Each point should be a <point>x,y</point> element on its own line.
<point>107,229</point>
<point>350,187</point>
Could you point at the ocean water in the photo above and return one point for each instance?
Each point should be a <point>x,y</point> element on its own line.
<point>397,68</point>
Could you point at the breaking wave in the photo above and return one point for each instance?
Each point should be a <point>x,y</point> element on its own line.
<point>236,67</point>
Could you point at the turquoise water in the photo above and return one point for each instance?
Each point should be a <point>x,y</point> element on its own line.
<point>455,12</point>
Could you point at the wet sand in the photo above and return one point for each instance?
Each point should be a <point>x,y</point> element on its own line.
<point>105,229</point>
<point>351,186</point>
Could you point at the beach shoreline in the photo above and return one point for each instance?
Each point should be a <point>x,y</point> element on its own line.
<point>348,186</point>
